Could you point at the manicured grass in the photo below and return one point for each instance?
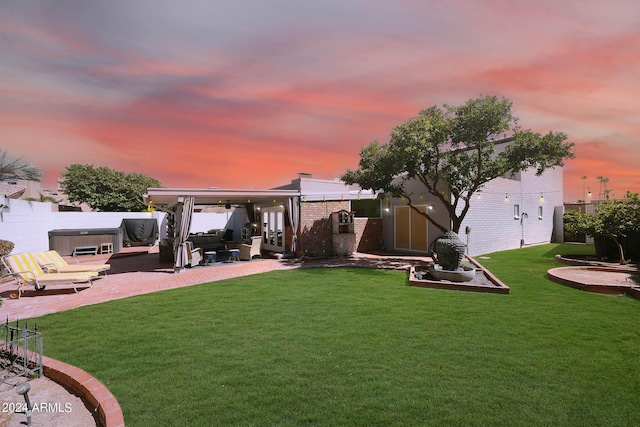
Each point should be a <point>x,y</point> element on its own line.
<point>360,347</point>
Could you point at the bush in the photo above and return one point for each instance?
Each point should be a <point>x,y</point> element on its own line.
<point>6,247</point>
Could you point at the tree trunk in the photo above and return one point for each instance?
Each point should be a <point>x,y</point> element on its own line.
<point>621,251</point>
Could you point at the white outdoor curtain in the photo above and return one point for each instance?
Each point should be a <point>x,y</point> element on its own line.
<point>294,219</point>
<point>184,214</point>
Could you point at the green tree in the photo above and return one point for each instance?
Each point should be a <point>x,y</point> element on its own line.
<point>614,219</point>
<point>451,151</point>
<point>17,169</point>
<point>104,189</point>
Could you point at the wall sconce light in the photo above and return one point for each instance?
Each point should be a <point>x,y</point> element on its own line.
<point>3,209</point>
<point>541,197</point>
<point>506,197</point>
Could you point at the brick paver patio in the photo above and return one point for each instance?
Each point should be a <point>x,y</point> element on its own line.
<point>136,271</point>
<point>133,272</point>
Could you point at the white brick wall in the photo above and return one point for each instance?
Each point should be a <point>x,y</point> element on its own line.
<point>491,218</point>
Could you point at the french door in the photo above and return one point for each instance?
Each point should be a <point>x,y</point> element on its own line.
<point>273,229</point>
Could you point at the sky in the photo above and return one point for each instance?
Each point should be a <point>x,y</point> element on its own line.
<point>246,94</point>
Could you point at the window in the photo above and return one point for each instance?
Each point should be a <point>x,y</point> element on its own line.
<point>366,208</point>
<point>539,212</point>
<point>516,211</point>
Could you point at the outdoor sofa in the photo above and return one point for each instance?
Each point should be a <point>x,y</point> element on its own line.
<point>212,240</point>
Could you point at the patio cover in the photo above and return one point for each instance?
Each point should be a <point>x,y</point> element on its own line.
<point>183,200</point>
<point>215,196</point>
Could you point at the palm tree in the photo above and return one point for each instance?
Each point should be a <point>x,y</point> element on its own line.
<point>603,187</point>
<point>17,169</point>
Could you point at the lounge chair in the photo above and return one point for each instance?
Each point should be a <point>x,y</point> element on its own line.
<point>24,268</point>
<point>52,262</point>
<point>195,255</point>
<point>248,252</point>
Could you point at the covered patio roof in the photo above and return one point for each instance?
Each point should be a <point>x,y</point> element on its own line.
<point>216,196</point>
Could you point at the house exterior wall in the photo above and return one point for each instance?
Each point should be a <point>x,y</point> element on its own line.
<point>437,211</point>
<point>316,234</point>
<point>491,223</point>
<point>368,233</point>
<point>315,227</point>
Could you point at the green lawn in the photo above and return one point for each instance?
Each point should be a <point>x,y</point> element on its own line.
<point>361,348</point>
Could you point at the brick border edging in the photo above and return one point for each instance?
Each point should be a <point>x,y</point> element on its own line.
<point>92,391</point>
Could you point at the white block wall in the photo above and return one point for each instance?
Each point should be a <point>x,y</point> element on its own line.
<point>27,224</point>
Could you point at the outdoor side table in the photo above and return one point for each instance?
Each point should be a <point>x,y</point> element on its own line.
<point>210,257</point>
<point>234,254</point>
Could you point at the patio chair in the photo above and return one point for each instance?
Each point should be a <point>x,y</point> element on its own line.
<point>195,255</point>
<point>248,252</point>
<point>52,262</point>
<point>25,270</point>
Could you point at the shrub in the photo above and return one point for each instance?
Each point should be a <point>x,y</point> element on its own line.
<point>6,247</point>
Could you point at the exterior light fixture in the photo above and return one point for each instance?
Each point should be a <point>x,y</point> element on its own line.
<point>541,197</point>
<point>506,197</point>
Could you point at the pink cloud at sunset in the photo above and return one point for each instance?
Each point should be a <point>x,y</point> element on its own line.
<point>246,95</point>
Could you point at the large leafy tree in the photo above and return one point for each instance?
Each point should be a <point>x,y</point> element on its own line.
<point>17,169</point>
<point>614,219</point>
<point>104,189</point>
<point>451,151</point>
